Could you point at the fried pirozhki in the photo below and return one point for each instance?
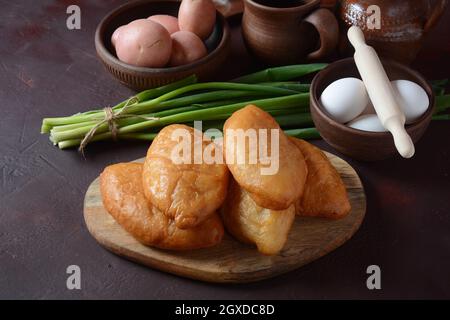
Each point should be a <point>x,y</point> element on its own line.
<point>185,191</point>
<point>278,190</point>
<point>325,194</point>
<point>252,224</point>
<point>123,197</point>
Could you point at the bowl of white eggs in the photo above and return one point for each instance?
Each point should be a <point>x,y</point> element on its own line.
<point>345,117</point>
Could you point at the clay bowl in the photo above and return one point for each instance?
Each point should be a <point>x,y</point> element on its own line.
<point>357,144</point>
<point>141,78</point>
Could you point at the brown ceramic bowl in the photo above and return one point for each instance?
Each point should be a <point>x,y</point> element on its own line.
<point>141,78</point>
<point>357,144</point>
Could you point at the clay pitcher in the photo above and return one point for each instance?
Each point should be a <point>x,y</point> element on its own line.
<point>281,32</point>
<point>404,25</point>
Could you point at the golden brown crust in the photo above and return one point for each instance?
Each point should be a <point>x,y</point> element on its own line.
<point>123,197</point>
<point>277,191</point>
<point>188,193</point>
<point>249,223</point>
<point>325,194</point>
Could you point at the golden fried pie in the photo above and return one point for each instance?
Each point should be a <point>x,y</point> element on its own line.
<point>252,224</point>
<point>123,197</point>
<point>243,138</point>
<point>325,194</point>
<point>183,187</point>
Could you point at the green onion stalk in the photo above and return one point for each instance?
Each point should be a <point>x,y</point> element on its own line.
<point>142,116</point>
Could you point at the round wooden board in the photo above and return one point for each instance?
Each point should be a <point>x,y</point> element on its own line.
<point>231,261</point>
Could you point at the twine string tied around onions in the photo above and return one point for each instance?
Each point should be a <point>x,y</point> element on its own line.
<point>111,118</point>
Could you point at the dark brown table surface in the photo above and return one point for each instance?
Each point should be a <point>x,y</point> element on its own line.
<point>47,70</point>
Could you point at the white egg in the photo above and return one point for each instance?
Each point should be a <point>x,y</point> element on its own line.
<point>367,122</point>
<point>345,99</point>
<point>412,99</point>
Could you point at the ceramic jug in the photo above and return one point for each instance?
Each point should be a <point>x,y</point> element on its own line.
<point>286,34</point>
<point>403,25</point>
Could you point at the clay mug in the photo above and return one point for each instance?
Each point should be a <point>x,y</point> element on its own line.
<point>281,32</point>
<point>403,25</point>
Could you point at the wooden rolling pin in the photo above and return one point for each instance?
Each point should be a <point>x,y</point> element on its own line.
<point>380,92</point>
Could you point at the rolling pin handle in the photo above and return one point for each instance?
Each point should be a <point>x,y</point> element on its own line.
<point>356,36</point>
<point>402,140</point>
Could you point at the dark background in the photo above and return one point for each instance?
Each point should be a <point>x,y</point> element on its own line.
<point>47,70</point>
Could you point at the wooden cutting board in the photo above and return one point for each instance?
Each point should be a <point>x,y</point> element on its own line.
<point>231,261</point>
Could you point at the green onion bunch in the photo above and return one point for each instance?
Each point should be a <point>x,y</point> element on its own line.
<point>142,116</point>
